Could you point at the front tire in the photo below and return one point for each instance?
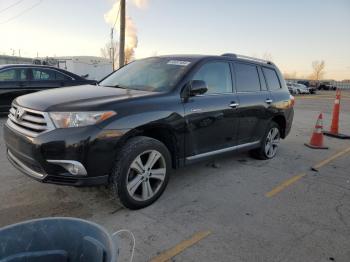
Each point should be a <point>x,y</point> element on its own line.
<point>269,143</point>
<point>141,172</point>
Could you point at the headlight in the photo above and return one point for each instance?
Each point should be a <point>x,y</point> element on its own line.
<point>79,119</point>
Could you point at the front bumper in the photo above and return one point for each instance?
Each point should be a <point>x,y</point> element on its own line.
<point>93,148</point>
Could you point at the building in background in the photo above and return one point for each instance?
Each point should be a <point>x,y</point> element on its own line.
<point>90,67</point>
<point>7,59</point>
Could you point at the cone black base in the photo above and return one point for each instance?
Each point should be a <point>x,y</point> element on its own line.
<point>341,136</point>
<point>316,147</point>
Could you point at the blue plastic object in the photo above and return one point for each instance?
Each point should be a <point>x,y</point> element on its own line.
<point>56,240</point>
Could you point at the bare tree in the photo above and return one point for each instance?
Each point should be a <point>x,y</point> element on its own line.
<point>318,70</point>
<point>129,55</point>
<point>106,52</point>
<point>267,56</point>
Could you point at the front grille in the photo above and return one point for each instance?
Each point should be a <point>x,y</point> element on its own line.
<point>29,122</point>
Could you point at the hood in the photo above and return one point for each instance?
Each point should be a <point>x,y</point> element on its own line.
<point>77,98</point>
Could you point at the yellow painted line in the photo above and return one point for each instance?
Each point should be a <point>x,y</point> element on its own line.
<point>330,159</point>
<point>284,185</point>
<point>170,253</point>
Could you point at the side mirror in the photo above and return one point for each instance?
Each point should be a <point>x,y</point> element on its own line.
<point>197,87</point>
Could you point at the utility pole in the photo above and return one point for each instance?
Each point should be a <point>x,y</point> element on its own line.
<point>122,34</point>
<point>112,49</point>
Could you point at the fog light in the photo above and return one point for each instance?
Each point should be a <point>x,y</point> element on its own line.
<point>73,167</point>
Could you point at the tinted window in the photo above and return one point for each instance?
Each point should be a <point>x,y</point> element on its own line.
<point>247,78</point>
<point>271,79</point>
<point>8,75</point>
<point>22,73</point>
<point>43,74</point>
<point>262,80</point>
<point>217,76</point>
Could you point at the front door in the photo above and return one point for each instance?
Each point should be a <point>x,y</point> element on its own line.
<point>13,83</point>
<point>211,118</point>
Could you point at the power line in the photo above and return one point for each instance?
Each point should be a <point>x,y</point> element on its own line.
<point>116,19</point>
<point>10,6</point>
<point>21,13</point>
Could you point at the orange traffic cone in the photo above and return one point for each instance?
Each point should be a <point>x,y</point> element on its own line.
<point>334,132</point>
<point>316,141</point>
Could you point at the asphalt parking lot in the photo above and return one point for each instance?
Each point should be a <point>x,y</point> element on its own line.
<point>240,210</point>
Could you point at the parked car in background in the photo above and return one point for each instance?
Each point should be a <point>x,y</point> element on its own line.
<point>295,88</point>
<point>312,88</point>
<point>146,118</point>
<point>17,80</point>
<point>291,88</point>
<point>327,86</point>
<point>302,89</point>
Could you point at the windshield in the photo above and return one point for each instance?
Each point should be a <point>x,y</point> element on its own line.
<point>150,74</point>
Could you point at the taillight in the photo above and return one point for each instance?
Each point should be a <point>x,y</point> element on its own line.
<point>292,100</point>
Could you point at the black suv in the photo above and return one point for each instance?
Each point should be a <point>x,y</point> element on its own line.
<point>17,80</point>
<point>146,118</point>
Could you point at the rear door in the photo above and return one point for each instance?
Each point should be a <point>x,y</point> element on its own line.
<point>254,101</point>
<point>211,118</point>
<point>42,79</point>
<point>278,94</point>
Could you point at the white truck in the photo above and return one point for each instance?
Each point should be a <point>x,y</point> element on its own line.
<point>90,67</point>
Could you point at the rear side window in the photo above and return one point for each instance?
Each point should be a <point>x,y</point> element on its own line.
<point>217,76</point>
<point>43,74</point>
<point>271,79</point>
<point>247,78</point>
<point>22,74</point>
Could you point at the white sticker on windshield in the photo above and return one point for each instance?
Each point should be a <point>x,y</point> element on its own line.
<point>179,63</point>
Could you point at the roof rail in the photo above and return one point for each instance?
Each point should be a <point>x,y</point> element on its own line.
<point>230,55</point>
<point>248,58</point>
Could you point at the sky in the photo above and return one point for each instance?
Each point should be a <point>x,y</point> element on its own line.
<point>293,33</point>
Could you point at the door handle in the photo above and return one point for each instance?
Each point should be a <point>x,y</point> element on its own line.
<point>234,105</point>
<point>268,101</point>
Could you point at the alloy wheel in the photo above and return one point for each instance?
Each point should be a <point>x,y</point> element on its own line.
<point>146,175</point>
<point>272,141</point>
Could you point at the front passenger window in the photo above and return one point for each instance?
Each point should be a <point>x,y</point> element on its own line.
<point>217,76</point>
<point>8,75</point>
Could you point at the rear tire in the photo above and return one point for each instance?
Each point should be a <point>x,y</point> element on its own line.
<point>269,143</point>
<point>141,172</point>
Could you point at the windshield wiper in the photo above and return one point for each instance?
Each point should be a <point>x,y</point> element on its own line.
<point>119,86</point>
<point>116,86</point>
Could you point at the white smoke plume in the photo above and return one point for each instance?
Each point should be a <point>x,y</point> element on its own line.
<point>131,40</point>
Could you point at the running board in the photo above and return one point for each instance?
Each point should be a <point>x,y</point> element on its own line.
<point>224,150</point>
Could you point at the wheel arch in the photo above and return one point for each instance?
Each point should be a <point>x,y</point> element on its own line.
<point>162,133</point>
<point>281,121</point>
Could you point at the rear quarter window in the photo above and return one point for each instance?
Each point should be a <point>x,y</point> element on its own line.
<point>60,76</point>
<point>271,79</point>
